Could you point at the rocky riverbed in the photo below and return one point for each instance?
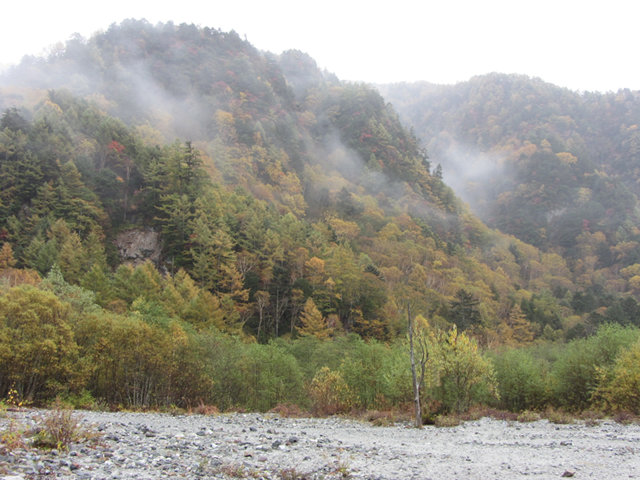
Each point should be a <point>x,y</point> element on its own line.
<point>163,446</point>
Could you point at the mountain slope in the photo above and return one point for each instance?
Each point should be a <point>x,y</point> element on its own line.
<point>290,186</point>
<point>553,167</point>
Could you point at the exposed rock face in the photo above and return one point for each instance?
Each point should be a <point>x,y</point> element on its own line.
<point>138,245</point>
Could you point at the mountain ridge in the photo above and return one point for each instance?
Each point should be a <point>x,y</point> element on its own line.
<point>303,234</point>
<point>330,156</point>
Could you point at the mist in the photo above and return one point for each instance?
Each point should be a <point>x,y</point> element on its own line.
<point>181,103</point>
<point>474,175</point>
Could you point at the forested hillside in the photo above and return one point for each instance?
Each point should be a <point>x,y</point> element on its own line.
<point>555,168</point>
<point>299,225</point>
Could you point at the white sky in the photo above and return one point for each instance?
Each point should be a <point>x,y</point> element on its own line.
<point>583,45</point>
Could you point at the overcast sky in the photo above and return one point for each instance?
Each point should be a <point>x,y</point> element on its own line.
<point>582,45</point>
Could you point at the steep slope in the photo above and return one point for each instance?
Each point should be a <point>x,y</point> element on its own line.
<point>290,187</point>
<point>557,169</point>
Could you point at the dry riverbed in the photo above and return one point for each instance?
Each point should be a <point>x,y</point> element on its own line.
<point>163,446</point>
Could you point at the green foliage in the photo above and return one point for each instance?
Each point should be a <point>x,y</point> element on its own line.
<point>465,377</point>
<point>522,380</point>
<point>464,310</point>
<point>80,299</point>
<point>38,353</point>
<point>363,371</point>
<point>619,386</point>
<point>270,377</point>
<point>575,374</point>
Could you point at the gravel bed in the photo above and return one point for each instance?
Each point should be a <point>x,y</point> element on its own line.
<point>164,446</point>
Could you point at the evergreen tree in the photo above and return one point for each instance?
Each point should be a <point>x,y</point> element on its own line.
<point>464,310</point>
<point>312,322</point>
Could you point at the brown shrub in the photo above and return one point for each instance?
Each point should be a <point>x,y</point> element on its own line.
<point>203,409</point>
<point>288,410</point>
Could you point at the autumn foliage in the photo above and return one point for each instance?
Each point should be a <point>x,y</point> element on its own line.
<point>294,229</point>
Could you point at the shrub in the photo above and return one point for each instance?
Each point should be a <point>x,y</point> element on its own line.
<point>578,371</point>
<point>528,416</point>
<point>625,418</point>
<point>269,376</point>
<point>363,371</point>
<point>329,393</point>
<point>203,409</point>
<point>12,438</point>
<point>59,428</point>
<point>83,400</point>
<point>465,377</point>
<point>38,354</point>
<point>560,417</point>
<point>522,382</point>
<point>287,410</point>
<point>447,421</point>
<point>621,391</point>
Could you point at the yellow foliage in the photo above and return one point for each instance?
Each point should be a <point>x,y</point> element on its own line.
<point>315,270</point>
<point>634,282</point>
<point>344,229</point>
<point>621,391</point>
<point>313,324</point>
<point>226,126</point>
<point>566,158</point>
<point>630,271</point>
<point>329,393</point>
<point>545,145</point>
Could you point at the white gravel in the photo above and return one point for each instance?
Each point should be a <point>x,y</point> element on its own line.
<point>155,446</point>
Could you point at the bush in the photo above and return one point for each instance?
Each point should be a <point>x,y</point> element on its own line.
<point>269,376</point>
<point>12,438</point>
<point>59,428</point>
<point>621,391</point>
<point>465,377</point>
<point>363,372</point>
<point>329,393</point>
<point>38,354</point>
<point>522,382</point>
<point>83,400</point>
<point>559,417</point>
<point>287,410</point>
<point>528,416</point>
<point>447,421</point>
<point>578,371</point>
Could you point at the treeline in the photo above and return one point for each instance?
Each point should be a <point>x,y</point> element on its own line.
<point>55,341</point>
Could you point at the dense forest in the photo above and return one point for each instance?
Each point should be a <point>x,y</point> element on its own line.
<point>300,228</point>
<point>555,168</point>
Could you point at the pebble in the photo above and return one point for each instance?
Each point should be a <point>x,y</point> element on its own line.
<point>150,446</point>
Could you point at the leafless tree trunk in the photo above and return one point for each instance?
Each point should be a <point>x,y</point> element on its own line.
<point>416,381</point>
<point>262,300</point>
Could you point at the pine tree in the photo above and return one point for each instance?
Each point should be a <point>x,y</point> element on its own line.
<point>313,324</point>
<point>6,256</point>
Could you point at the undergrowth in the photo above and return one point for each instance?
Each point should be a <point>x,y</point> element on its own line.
<point>56,429</point>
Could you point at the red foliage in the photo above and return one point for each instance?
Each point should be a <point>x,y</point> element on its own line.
<point>116,146</point>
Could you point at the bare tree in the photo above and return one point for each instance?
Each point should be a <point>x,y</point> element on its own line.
<point>417,383</point>
<point>262,301</point>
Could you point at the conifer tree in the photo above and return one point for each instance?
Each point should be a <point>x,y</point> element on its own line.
<point>6,256</point>
<point>313,324</point>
